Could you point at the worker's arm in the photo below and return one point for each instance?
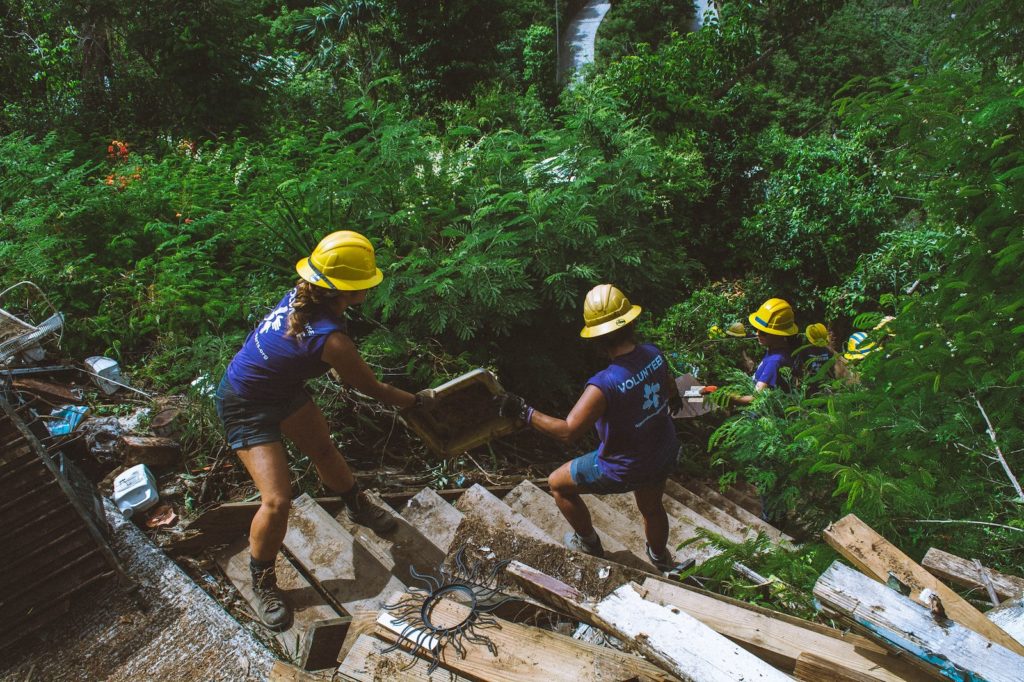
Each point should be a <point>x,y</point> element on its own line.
<point>341,354</point>
<point>587,410</point>
<point>580,420</point>
<point>747,399</point>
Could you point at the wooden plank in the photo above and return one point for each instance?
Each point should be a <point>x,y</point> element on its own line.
<point>526,654</point>
<point>814,668</point>
<point>780,639</point>
<point>539,507</point>
<point>736,511</point>
<point>1010,617</point>
<point>367,662</point>
<point>310,609</point>
<point>674,640</point>
<point>877,557</point>
<point>904,625</point>
<point>963,572</point>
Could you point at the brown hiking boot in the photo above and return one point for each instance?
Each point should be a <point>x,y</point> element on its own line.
<point>271,606</point>
<point>373,517</point>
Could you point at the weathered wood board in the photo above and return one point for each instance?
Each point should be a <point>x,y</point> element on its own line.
<point>526,654</point>
<point>674,640</point>
<point>877,557</point>
<point>904,625</point>
<point>781,639</point>
<point>963,572</point>
<point>367,662</point>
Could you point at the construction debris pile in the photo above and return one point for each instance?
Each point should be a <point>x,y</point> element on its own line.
<point>482,589</point>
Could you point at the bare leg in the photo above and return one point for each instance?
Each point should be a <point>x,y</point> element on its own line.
<point>567,497</point>
<point>268,465</point>
<point>308,429</point>
<point>648,501</point>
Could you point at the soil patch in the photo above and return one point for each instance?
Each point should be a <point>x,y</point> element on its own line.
<point>490,544</point>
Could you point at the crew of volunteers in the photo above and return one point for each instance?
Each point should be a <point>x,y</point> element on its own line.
<point>262,399</point>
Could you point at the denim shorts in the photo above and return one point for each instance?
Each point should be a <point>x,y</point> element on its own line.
<point>254,422</point>
<point>586,474</point>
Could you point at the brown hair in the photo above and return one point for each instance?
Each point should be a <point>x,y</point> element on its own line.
<point>310,300</point>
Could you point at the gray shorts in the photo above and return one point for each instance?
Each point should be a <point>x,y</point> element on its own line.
<point>254,422</point>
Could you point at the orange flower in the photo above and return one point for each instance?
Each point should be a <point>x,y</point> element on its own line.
<point>188,221</point>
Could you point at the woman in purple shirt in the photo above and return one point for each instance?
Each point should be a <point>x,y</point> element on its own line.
<point>262,399</point>
<point>775,330</point>
<point>627,402</point>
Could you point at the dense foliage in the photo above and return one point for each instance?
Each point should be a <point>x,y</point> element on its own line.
<point>853,157</point>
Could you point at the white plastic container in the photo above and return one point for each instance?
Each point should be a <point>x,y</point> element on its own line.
<point>135,490</point>
<point>105,368</point>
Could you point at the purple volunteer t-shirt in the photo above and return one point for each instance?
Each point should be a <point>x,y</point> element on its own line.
<point>768,370</point>
<point>636,430</point>
<point>272,364</point>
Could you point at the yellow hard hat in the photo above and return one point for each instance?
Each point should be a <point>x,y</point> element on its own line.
<point>344,261</point>
<point>859,345</point>
<point>606,309</point>
<point>817,334</point>
<point>736,330</point>
<point>775,316</point>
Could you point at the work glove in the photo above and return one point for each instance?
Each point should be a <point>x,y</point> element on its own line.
<point>426,399</point>
<point>512,406</point>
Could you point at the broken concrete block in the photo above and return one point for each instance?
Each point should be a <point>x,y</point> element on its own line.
<point>152,451</point>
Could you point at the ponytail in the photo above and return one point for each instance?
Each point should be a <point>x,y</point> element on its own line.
<point>310,300</point>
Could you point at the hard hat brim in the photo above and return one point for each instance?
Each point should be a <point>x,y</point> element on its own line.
<point>791,330</point>
<point>306,273</point>
<point>611,325</point>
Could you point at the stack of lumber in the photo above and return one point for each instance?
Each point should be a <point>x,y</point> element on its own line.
<point>922,619</point>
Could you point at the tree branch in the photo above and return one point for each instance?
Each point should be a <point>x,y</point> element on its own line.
<point>1002,460</point>
<point>965,521</point>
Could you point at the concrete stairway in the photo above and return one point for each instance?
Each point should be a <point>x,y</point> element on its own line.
<point>339,575</point>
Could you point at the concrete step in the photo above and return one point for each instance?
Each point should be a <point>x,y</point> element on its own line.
<point>720,522</point>
<point>628,524</point>
<point>539,507</point>
<point>435,519</point>
<point>737,511</point>
<point>354,576</point>
<point>403,548</point>
<point>318,628</point>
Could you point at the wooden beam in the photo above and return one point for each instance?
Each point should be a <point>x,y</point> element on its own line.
<point>527,654</point>
<point>963,572</point>
<point>780,639</point>
<point>283,672</point>
<point>877,557</point>
<point>904,625</point>
<point>814,668</point>
<point>674,640</point>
